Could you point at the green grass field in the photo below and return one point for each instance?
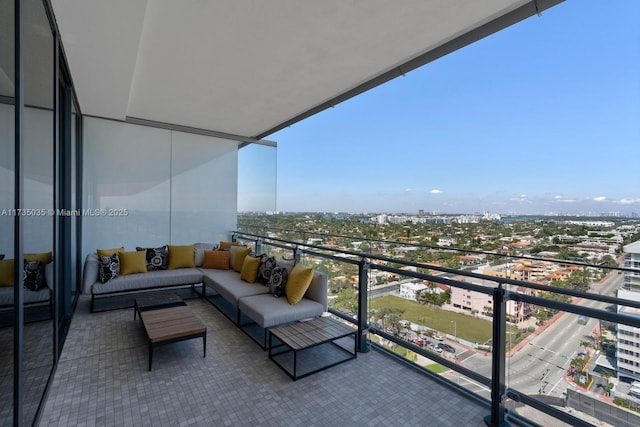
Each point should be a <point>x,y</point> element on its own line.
<point>468,328</point>
<point>436,368</point>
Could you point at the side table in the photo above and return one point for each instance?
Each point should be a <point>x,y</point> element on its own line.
<point>305,335</point>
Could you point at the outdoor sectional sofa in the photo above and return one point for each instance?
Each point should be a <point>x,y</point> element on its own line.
<point>31,297</point>
<point>253,300</point>
<point>256,302</point>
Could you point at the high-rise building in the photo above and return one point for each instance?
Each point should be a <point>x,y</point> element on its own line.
<point>628,350</point>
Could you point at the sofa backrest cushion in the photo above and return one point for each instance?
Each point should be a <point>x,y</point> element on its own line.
<point>319,289</point>
<point>200,248</point>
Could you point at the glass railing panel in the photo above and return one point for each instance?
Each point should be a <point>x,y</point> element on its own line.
<point>582,364</point>
<point>569,356</point>
<point>342,277</point>
<point>416,319</point>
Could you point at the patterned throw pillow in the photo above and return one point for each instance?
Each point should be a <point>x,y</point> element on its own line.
<point>157,258</point>
<point>109,268</point>
<point>267,264</point>
<point>278,281</point>
<point>33,275</point>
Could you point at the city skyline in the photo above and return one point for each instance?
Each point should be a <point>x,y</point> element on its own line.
<point>539,118</point>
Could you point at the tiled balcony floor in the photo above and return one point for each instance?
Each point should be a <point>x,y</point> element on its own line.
<point>102,379</point>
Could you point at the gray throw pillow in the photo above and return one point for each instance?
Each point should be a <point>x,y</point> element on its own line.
<point>109,268</point>
<point>278,280</point>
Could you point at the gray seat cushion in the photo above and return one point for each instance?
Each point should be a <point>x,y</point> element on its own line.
<point>30,297</point>
<point>267,310</point>
<point>228,284</point>
<point>150,279</point>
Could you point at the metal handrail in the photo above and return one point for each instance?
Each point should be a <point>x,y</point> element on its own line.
<point>448,248</point>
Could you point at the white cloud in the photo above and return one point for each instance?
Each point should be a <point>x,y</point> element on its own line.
<point>408,190</point>
<point>436,191</point>
<point>628,201</point>
<point>562,199</point>
<point>600,199</point>
<point>521,199</point>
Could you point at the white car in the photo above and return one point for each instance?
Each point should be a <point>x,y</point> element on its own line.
<point>437,337</point>
<point>435,348</point>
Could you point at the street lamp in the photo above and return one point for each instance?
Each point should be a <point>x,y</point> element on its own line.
<point>455,330</point>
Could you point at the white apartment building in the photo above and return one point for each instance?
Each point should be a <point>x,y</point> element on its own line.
<point>628,349</point>
<point>408,288</point>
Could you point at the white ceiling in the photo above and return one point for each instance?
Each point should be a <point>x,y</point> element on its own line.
<point>248,67</point>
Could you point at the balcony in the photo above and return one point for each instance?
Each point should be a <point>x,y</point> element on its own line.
<point>102,378</point>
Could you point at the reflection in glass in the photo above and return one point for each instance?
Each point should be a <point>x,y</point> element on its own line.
<point>125,167</point>
<point>257,179</point>
<point>74,278</point>
<point>38,193</point>
<point>7,174</point>
<point>203,188</point>
<point>148,187</point>
<point>257,166</point>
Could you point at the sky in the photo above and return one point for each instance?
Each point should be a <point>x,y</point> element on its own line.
<point>542,117</point>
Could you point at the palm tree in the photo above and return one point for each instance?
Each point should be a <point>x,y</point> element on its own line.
<point>585,344</point>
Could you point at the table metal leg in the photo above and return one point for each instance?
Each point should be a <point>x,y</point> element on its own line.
<point>150,355</point>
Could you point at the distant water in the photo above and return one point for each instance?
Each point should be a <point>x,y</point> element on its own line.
<point>521,218</point>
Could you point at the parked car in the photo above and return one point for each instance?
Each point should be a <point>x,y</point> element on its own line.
<point>435,348</point>
<point>420,341</point>
<point>437,337</point>
<point>447,347</point>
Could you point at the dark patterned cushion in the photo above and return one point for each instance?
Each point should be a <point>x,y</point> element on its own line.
<point>267,264</point>
<point>277,281</point>
<point>109,268</point>
<point>157,258</point>
<point>33,275</point>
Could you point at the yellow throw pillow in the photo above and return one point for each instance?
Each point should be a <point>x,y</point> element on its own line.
<point>227,245</point>
<point>108,252</point>
<point>132,262</point>
<point>44,258</point>
<point>6,272</point>
<point>237,257</point>
<point>250,267</point>
<point>182,256</point>
<point>216,259</point>
<point>298,283</point>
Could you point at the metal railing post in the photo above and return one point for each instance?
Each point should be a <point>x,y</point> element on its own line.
<point>496,418</point>
<point>363,318</point>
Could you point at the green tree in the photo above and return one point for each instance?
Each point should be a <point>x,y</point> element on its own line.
<point>346,301</point>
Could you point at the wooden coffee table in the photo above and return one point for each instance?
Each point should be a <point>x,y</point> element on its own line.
<point>170,325</point>
<point>304,335</point>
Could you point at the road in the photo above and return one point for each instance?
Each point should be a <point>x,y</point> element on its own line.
<point>539,367</point>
